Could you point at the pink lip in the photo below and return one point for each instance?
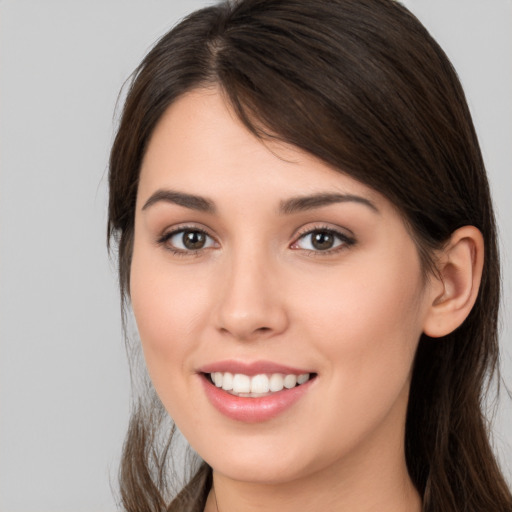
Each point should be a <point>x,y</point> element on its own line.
<point>253,410</point>
<point>253,368</point>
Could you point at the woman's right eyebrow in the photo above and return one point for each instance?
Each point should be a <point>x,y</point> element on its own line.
<point>191,201</point>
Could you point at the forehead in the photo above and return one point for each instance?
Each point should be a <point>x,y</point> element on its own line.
<point>200,145</point>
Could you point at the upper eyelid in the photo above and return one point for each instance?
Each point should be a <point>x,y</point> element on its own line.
<point>342,231</point>
<point>186,227</point>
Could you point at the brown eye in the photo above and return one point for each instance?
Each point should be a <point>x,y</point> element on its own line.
<point>322,240</point>
<point>193,240</point>
<point>187,240</point>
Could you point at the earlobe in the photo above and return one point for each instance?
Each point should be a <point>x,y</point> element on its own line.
<point>454,289</point>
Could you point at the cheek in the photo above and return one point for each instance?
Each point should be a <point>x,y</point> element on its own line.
<point>365,325</point>
<point>167,309</point>
<point>368,321</point>
<point>165,306</point>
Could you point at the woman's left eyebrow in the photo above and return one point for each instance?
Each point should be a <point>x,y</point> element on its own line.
<point>303,203</point>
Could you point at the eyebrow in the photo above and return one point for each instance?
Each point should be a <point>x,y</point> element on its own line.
<point>287,207</point>
<point>304,203</point>
<point>193,202</point>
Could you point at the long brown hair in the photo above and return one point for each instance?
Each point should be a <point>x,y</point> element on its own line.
<point>361,85</point>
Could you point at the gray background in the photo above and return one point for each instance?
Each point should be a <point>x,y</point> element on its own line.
<point>63,373</point>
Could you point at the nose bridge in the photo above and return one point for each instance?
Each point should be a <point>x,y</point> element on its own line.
<point>250,304</point>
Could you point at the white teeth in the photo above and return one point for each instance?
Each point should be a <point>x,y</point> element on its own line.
<point>241,383</point>
<point>217,379</point>
<point>276,382</point>
<point>290,381</point>
<point>227,381</point>
<point>258,385</point>
<point>302,378</point>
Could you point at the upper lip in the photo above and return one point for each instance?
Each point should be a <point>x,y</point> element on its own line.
<point>251,368</point>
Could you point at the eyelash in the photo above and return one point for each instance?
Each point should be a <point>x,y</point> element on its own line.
<point>346,241</point>
<point>164,239</point>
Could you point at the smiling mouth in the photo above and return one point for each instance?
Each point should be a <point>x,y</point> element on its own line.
<point>256,386</point>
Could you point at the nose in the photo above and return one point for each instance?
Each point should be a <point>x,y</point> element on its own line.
<point>251,302</point>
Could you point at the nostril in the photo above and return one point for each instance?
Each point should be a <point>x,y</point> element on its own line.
<point>247,334</point>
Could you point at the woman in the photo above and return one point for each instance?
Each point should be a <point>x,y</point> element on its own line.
<point>307,240</point>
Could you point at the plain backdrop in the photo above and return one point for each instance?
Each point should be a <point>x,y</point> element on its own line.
<point>64,383</point>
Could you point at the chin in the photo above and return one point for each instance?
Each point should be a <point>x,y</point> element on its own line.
<point>261,460</point>
<point>268,471</point>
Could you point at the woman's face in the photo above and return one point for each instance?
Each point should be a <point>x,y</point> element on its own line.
<point>255,265</point>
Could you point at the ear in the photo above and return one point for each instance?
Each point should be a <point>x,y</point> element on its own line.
<point>454,289</point>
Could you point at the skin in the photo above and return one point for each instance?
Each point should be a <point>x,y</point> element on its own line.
<point>260,290</point>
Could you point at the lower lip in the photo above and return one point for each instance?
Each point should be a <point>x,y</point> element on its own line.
<point>253,410</point>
